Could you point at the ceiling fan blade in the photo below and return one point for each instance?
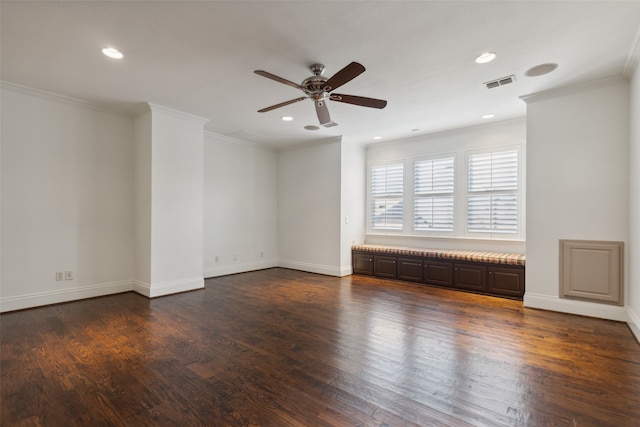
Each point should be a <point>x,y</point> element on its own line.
<point>323,112</point>
<point>278,79</point>
<point>282,104</point>
<point>359,100</point>
<point>343,76</point>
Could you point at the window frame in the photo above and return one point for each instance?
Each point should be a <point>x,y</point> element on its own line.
<point>460,196</point>
<point>415,196</point>
<point>370,198</point>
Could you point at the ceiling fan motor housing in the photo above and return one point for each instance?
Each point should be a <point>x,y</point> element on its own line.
<point>313,86</point>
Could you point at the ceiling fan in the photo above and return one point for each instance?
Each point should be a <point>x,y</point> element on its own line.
<point>319,89</point>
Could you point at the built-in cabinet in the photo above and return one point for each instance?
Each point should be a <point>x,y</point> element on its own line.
<point>480,277</point>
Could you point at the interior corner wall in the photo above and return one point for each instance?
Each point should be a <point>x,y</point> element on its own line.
<point>240,206</point>
<point>634,207</point>
<point>142,201</point>
<point>309,208</point>
<point>577,184</point>
<point>353,201</point>
<point>66,199</point>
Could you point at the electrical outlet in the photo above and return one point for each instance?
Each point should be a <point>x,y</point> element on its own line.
<point>261,254</point>
<point>217,259</point>
<point>235,257</point>
<point>68,275</point>
<point>59,276</point>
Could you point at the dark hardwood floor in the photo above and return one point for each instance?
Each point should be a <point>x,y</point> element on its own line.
<point>284,348</point>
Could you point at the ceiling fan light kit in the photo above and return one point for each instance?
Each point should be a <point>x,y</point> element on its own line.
<point>319,89</point>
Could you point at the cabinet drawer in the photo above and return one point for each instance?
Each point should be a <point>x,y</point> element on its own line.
<point>505,281</point>
<point>438,273</point>
<point>384,266</point>
<point>363,264</point>
<point>470,276</point>
<point>410,269</point>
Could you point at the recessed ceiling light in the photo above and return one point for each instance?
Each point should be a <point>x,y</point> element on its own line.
<point>112,53</point>
<point>415,130</point>
<point>287,118</point>
<point>312,127</point>
<point>540,70</point>
<point>377,137</point>
<point>485,57</point>
<point>488,116</point>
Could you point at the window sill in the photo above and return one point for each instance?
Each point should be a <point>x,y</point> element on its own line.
<point>447,238</point>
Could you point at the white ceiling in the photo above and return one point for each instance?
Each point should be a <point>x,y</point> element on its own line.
<point>199,57</point>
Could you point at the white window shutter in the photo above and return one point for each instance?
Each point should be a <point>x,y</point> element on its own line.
<point>387,190</point>
<point>492,201</point>
<point>433,199</point>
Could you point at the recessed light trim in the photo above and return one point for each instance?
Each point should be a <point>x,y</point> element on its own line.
<point>377,137</point>
<point>488,116</point>
<point>286,118</point>
<point>112,53</point>
<point>312,127</point>
<point>485,57</point>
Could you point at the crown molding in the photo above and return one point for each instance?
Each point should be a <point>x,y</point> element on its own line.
<point>80,103</point>
<point>575,88</point>
<point>633,59</point>
<point>155,108</point>
<point>232,140</point>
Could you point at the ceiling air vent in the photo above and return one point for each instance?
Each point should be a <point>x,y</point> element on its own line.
<point>500,82</point>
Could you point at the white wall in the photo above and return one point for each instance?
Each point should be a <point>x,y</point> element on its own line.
<point>353,201</point>
<point>309,208</point>
<point>240,206</point>
<point>633,247</point>
<point>142,198</point>
<point>177,148</point>
<point>577,183</point>
<point>66,199</point>
<point>503,133</point>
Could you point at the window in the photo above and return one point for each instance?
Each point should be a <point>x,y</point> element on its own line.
<point>387,182</point>
<point>492,199</point>
<point>433,194</point>
<point>475,194</point>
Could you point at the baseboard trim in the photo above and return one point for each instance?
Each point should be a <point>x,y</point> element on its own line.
<point>238,268</point>
<point>312,268</point>
<point>634,323</point>
<point>38,299</point>
<point>582,308</point>
<point>167,288</point>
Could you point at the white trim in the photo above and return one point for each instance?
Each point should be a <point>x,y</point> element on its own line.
<point>238,268</point>
<point>634,322</point>
<point>80,103</point>
<point>155,108</point>
<point>142,288</point>
<point>167,288</point>
<point>21,302</point>
<point>581,308</point>
<point>572,89</point>
<point>314,268</point>
<point>633,59</point>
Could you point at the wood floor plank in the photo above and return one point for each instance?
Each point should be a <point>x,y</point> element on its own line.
<point>280,347</point>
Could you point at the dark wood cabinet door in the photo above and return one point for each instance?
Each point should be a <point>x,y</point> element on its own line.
<point>505,281</point>
<point>385,266</point>
<point>410,269</point>
<point>438,273</point>
<point>363,263</point>
<point>472,277</point>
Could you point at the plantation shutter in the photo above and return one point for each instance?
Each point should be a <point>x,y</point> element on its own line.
<point>492,203</point>
<point>433,201</point>
<point>387,183</point>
